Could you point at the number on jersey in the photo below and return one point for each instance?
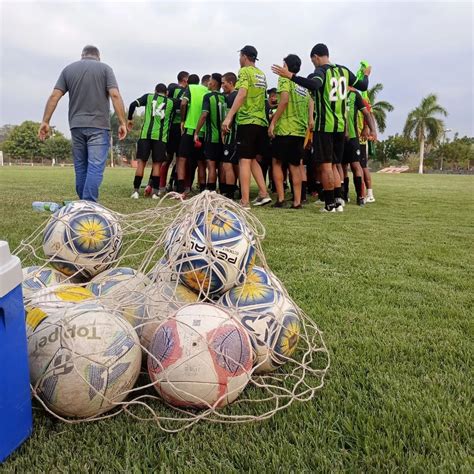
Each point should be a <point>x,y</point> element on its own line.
<point>158,111</point>
<point>338,89</point>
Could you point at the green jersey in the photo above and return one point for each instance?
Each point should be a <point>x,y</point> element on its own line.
<point>159,111</point>
<point>194,95</point>
<point>214,104</point>
<point>175,91</point>
<point>294,119</point>
<point>252,110</point>
<point>354,105</point>
<point>229,139</point>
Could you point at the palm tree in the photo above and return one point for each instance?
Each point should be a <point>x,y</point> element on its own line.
<point>423,125</point>
<point>379,109</point>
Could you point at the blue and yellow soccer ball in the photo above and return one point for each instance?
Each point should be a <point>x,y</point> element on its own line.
<point>271,320</point>
<point>213,253</point>
<point>83,239</point>
<point>36,278</point>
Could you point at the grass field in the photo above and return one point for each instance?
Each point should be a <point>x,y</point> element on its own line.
<point>391,286</point>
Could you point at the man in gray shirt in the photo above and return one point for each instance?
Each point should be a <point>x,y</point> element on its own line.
<point>90,83</point>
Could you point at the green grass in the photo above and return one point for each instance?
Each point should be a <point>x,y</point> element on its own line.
<point>391,287</point>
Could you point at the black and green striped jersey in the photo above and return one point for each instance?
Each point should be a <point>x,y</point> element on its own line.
<point>159,112</point>
<point>214,104</point>
<point>230,137</point>
<point>355,103</point>
<point>175,91</point>
<point>330,83</point>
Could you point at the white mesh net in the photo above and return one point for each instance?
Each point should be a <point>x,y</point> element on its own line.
<point>171,315</point>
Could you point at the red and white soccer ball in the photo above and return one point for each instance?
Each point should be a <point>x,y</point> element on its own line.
<point>201,357</point>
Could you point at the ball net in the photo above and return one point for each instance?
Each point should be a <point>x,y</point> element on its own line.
<point>210,332</point>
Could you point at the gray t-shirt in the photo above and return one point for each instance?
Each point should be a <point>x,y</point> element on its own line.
<point>88,82</point>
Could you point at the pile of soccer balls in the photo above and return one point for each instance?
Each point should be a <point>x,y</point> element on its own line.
<point>201,320</point>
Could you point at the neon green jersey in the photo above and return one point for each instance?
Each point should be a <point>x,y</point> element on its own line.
<point>194,95</point>
<point>252,110</point>
<point>294,119</point>
<point>354,105</point>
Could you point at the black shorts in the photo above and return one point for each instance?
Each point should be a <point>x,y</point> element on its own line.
<point>328,147</point>
<point>156,147</point>
<point>363,155</point>
<point>187,148</point>
<point>288,149</point>
<point>251,140</point>
<point>351,151</point>
<point>174,138</point>
<point>213,152</point>
<point>229,154</point>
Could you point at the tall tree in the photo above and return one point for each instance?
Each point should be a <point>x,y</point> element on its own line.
<point>379,108</point>
<point>23,142</point>
<point>424,125</point>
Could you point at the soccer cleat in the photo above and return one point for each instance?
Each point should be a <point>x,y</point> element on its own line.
<point>135,195</point>
<point>155,196</point>
<point>261,201</point>
<point>246,206</point>
<point>360,201</point>
<point>299,206</point>
<point>148,191</point>
<point>341,202</point>
<point>278,204</point>
<point>161,191</point>
<point>327,209</point>
<point>370,199</point>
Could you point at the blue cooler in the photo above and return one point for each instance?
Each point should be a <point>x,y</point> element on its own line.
<point>15,399</point>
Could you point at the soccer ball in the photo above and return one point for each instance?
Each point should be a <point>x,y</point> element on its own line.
<point>82,238</point>
<point>163,300</point>
<point>162,272</point>
<point>121,290</point>
<point>213,254</point>
<point>200,357</point>
<point>82,362</point>
<point>258,275</point>
<point>35,278</point>
<point>270,318</point>
<point>56,297</point>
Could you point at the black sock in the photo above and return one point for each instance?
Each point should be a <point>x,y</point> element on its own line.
<point>202,187</point>
<point>137,182</point>
<point>319,190</point>
<point>211,186</point>
<point>231,191</point>
<point>329,198</point>
<point>180,186</point>
<point>338,192</point>
<point>346,188</point>
<point>155,183</point>
<point>223,189</point>
<point>358,185</point>
<point>303,190</point>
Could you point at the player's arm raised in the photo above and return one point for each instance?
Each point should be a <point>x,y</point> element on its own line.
<point>312,84</point>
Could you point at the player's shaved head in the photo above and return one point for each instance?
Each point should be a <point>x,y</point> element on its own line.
<point>193,79</point>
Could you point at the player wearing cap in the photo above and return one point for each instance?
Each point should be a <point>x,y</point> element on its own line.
<point>252,123</point>
<point>189,154</point>
<point>159,110</point>
<point>213,112</point>
<point>329,84</point>
<point>230,163</point>
<point>288,129</point>
<point>355,105</point>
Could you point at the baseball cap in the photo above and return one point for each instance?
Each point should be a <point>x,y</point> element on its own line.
<point>250,51</point>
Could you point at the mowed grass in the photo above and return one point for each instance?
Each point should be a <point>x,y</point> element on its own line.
<point>391,286</point>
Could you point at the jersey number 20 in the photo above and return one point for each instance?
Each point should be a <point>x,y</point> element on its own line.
<point>338,89</point>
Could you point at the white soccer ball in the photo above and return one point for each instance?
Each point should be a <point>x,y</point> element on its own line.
<point>82,238</point>
<point>162,272</point>
<point>36,278</point>
<point>121,290</point>
<point>56,297</point>
<point>213,253</point>
<point>270,318</point>
<point>201,357</point>
<point>258,275</point>
<point>163,300</point>
<point>83,362</point>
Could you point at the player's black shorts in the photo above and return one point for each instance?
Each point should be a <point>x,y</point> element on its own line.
<point>250,140</point>
<point>187,148</point>
<point>351,151</point>
<point>288,149</point>
<point>229,154</point>
<point>363,155</point>
<point>328,147</point>
<point>173,140</point>
<point>213,151</point>
<point>156,147</point>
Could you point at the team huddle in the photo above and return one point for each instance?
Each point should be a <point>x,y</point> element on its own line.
<point>307,131</point>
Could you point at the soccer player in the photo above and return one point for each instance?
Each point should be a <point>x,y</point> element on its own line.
<point>367,149</point>
<point>159,110</point>
<point>189,151</point>
<point>355,105</point>
<point>213,111</point>
<point>288,129</point>
<point>249,106</point>
<point>205,80</point>
<point>230,163</point>
<point>330,85</point>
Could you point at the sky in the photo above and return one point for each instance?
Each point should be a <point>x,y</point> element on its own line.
<point>415,48</point>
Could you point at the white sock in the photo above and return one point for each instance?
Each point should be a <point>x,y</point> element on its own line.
<point>370,193</point>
